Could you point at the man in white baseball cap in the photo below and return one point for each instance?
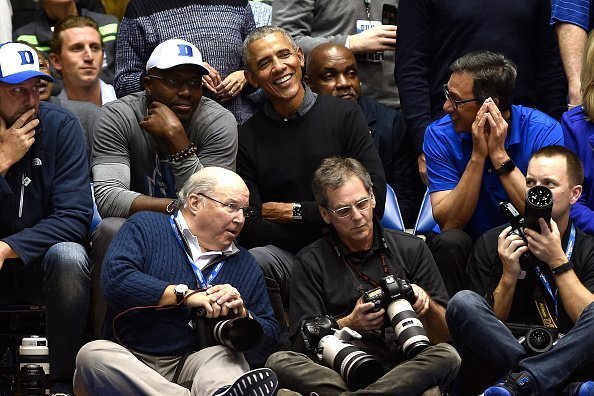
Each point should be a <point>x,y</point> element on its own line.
<point>46,209</point>
<point>147,144</point>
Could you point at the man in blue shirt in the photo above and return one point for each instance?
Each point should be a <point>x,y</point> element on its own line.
<point>477,156</point>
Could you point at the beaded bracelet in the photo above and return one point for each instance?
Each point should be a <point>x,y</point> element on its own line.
<point>185,153</point>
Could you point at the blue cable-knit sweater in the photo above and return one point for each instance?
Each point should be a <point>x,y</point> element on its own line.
<point>216,27</point>
<point>143,259</point>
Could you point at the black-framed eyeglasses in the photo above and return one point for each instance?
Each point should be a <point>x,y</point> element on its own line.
<point>176,83</point>
<point>455,102</point>
<point>347,211</point>
<point>232,207</point>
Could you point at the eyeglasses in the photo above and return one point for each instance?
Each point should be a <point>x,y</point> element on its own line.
<point>347,211</point>
<point>232,207</point>
<point>176,83</point>
<point>455,102</point>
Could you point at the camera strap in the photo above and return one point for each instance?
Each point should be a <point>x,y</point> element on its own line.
<point>541,304</point>
<point>363,276</point>
<point>202,282</point>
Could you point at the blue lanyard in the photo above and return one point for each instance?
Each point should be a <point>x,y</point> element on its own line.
<point>543,278</point>
<point>199,276</point>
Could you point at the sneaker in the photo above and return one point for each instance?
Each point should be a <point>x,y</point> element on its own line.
<point>258,382</point>
<point>513,384</point>
<point>579,389</point>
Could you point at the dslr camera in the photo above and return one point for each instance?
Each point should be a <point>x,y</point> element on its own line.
<point>330,346</point>
<point>396,296</point>
<point>240,334</point>
<point>539,203</point>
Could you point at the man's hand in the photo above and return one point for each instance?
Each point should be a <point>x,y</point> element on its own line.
<point>421,305</point>
<point>279,212</point>
<point>16,140</point>
<point>546,246</point>
<point>480,133</point>
<point>378,38</point>
<point>201,299</point>
<point>510,248</point>
<point>230,87</point>
<point>228,299</point>
<point>361,319</point>
<point>212,79</point>
<point>162,123</point>
<point>6,252</point>
<point>496,133</point>
<point>422,163</point>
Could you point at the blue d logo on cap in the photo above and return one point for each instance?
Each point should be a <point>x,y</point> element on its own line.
<point>26,57</point>
<point>185,50</point>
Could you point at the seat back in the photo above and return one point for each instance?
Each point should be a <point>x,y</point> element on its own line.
<point>425,222</point>
<point>392,216</point>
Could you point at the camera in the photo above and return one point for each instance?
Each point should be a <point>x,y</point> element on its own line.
<point>330,346</point>
<point>34,367</point>
<point>240,334</point>
<point>535,339</point>
<point>539,203</point>
<point>396,295</point>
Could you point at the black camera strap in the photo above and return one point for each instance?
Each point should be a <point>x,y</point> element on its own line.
<point>549,320</point>
<point>363,276</point>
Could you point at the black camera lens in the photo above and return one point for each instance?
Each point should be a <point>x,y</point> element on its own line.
<point>539,204</point>
<point>240,334</point>
<point>538,340</point>
<point>358,368</point>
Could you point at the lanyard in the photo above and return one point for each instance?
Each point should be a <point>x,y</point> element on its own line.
<point>543,278</point>
<point>199,276</point>
<point>367,3</point>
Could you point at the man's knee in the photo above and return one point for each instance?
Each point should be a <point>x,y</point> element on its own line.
<point>91,354</point>
<point>275,262</point>
<point>462,304</point>
<point>452,242</point>
<point>67,260</point>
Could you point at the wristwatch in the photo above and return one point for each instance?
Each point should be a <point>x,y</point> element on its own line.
<point>507,167</point>
<point>562,268</point>
<point>180,292</point>
<point>297,211</point>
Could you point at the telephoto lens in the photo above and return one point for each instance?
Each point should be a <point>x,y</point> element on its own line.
<point>539,203</point>
<point>240,334</point>
<point>537,340</point>
<point>34,367</point>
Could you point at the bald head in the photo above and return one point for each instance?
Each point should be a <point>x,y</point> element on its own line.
<point>209,179</point>
<point>332,70</point>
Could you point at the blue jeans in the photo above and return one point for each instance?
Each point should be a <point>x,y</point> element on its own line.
<point>64,278</point>
<point>481,337</point>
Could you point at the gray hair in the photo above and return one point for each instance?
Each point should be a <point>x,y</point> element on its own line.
<point>198,183</point>
<point>333,173</point>
<point>258,34</point>
<point>494,75</point>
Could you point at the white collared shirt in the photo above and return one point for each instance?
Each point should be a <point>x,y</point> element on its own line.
<point>200,258</point>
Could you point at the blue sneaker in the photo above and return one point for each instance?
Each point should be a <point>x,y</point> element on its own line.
<point>513,384</point>
<point>579,389</point>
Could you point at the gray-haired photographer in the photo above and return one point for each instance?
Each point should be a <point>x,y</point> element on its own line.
<point>366,302</point>
<point>530,310</point>
<point>183,302</point>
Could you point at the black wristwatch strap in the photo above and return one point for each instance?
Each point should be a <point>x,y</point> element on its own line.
<point>507,167</point>
<point>562,268</point>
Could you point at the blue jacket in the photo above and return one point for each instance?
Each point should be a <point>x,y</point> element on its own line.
<point>578,134</point>
<point>45,198</point>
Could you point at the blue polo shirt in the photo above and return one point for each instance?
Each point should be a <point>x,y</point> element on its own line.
<point>448,153</point>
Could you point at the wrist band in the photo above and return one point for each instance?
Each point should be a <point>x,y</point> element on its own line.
<point>507,167</point>
<point>562,268</point>
<point>185,153</point>
<point>171,206</point>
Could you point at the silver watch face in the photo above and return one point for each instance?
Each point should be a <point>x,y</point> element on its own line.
<point>181,289</point>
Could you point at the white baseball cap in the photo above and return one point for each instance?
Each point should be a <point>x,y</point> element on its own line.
<point>175,52</point>
<point>19,62</point>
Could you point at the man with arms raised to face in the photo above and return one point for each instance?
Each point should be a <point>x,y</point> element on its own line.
<point>281,146</point>
<point>147,144</point>
<point>554,290</point>
<point>330,275</point>
<point>46,209</point>
<point>184,261</point>
<point>477,156</point>
<point>332,70</point>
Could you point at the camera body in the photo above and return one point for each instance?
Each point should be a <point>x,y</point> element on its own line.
<point>396,296</point>
<point>34,366</point>
<point>539,204</point>
<point>331,347</point>
<point>240,334</point>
